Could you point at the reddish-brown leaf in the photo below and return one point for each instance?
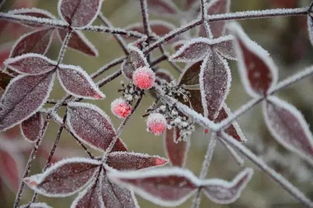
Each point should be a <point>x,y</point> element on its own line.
<point>79,13</point>
<point>133,161</point>
<point>31,128</point>
<point>77,82</point>
<point>223,192</point>
<point>23,97</point>
<point>79,42</point>
<point>64,178</point>
<point>33,12</point>
<point>190,76</point>
<point>288,127</point>
<point>92,126</point>
<point>176,150</point>
<point>165,187</point>
<point>135,60</point>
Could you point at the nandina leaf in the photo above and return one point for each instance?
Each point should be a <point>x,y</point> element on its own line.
<point>158,27</point>
<point>135,60</point>
<point>175,150</point>
<point>258,71</point>
<point>31,128</point>
<point>31,64</point>
<point>90,197</point>
<point>223,192</point>
<point>190,76</point>
<point>164,75</point>
<point>4,80</point>
<point>79,13</point>
<point>215,79</point>
<point>92,126</point>
<point>227,49</point>
<point>288,127</point>
<point>79,42</point>
<point>233,130</point>
<point>115,196</point>
<point>34,42</point>
<point>164,7</point>
<point>4,52</point>
<point>131,160</point>
<point>64,178</point>
<point>198,48</point>
<point>32,12</point>
<point>35,205</point>
<point>23,97</point>
<point>217,29</point>
<point>165,187</point>
<point>77,82</point>
<point>10,168</point>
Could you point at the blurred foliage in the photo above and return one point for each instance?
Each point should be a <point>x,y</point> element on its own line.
<point>286,40</point>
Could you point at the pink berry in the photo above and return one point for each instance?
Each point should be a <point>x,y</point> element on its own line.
<point>144,78</point>
<point>156,123</point>
<point>121,108</point>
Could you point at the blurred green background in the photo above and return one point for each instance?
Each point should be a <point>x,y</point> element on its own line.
<point>287,41</point>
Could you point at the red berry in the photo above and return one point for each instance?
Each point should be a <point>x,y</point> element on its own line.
<point>144,78</point>
<point>121,108</point>
<point>156,123</point>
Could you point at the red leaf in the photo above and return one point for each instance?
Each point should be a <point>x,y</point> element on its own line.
<point>79,13</point>
<point>258,70</point>
<point>31,64</point>
<point>10,168</point>
<point>64,178</point>
<point>115,196</point>
<point>227,49</point>
<point>175,150</point>
<point>79,42</point>
<point>131,160</point>
<point>164,7</point>
<point>217,28</point>
<point>233,130</point>
<point>165,187</point>
<point>215,79</point>
<point>35,205</point>
<point>135,60</point>
<point>34,42</point>
<point>223,192</point>
<point>23,97</point>
<point>33,12</point>
<point>92,126</point>
<point>91,197</point>
<point>288,127</point>
<point>31,128</point>
<point>77,82</point>
<point>190,76</point>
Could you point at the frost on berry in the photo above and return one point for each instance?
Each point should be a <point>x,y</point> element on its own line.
<point>144,78</point>
<point>121,108</point>
<point>156,124</point>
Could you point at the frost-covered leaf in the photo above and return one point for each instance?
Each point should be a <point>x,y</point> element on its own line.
<point>34,42</point>
<point>215,79</point>
<point>190,76</point>
<point>115,196</point>
<point>90,197</point>
<point>164,75</point>
<point>32,12</point>
<point>289,127</point>
<point>64,178</point>
<point>164,7</point>
<point>233,130</point>
<point>258,71</point>
<point>310,28</point>
<point>227,49</point>
<point>4,53</point>
<point>223,192</point>
<point>31,128</point>
<point>23,97</point>
<point>79,13</point>
<point>216,7</point>
<point>4,80</point>
<point>198,48</point>
<point>31,64</point>
<point>165,187</point>
<point>131,160</point>
<point>77,82</point>
<point>35,205</point>
<point>10,168</point>
<point>92,126</point>
<point>79,42</point>
<point>176,150</point>
<point>135,60</point>
<point>158,27</point>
